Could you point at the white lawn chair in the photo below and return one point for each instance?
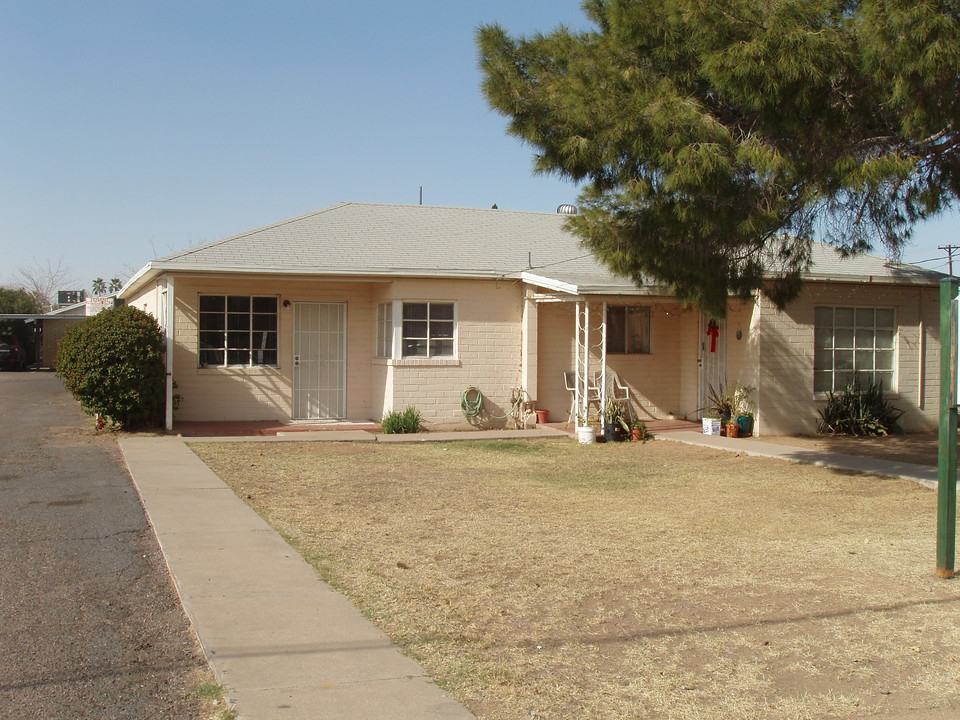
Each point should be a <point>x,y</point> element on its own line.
<point>594,392</point>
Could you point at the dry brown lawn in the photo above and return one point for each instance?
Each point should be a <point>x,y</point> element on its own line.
<point>544,579</point>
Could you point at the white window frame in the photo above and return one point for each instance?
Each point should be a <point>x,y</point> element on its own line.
<point>856,346</point>
<point>401,326</point>
<point>384,340</point>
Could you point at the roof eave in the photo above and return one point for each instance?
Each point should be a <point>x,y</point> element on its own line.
<point>155,268</point>
<point>139,279</point>
<point>549,283</point>
<point>871,279</point>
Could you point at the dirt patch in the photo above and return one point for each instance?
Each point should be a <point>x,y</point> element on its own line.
<point>918,448</point>
<point>552,580</point>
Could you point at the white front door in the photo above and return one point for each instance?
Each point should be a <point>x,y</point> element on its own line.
<point>713,359</point>
<point>319,361</point>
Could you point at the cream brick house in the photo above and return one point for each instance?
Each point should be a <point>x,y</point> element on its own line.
<point>357,309</point>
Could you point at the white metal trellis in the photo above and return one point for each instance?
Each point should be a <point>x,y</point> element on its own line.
<point>582,352</point>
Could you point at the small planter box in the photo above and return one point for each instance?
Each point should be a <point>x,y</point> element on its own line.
<point>711,426</point>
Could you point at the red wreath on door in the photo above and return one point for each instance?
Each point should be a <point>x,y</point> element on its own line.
<point>713,330</point>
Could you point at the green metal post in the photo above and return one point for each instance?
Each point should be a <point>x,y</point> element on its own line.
<point>947,456</point>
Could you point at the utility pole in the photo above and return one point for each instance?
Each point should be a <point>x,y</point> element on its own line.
<point>947,446</point>
<point>949,249</point>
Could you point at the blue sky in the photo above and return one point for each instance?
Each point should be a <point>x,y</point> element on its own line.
<point>135,128</point>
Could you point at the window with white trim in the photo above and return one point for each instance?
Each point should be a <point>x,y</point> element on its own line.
<point>628,329</point>
<point>238,330</point>
<point>385,330</point>
<point>852,341</point>
<point>428,329</point>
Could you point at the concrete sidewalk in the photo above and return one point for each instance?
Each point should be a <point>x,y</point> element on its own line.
<point>283,643</point>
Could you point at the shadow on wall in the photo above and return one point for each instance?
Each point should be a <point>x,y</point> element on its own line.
<point>787,404</point>
<point>225,394</point>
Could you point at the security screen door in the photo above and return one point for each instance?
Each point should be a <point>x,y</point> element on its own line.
<point>319,361</point>
<point>713,365</point>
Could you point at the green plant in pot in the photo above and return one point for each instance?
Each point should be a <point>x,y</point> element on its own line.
<point>719,404</point>
<point>616,420</point>
<point>741,406</point>
<point>638,431</point>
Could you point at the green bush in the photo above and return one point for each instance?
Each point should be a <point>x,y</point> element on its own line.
<point>408,421</point>
<point>113,364</point>
<point>858,410</point>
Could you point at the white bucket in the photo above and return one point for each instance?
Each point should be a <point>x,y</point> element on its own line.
<point>587,435</point>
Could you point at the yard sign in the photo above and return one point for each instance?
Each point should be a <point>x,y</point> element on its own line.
<point>947,456</point>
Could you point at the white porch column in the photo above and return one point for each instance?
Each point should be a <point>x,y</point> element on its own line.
<point>603,354</point>
<point>528,346</point>
<point>583,344</point>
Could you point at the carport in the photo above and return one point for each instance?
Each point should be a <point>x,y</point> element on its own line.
<point>44,331</point>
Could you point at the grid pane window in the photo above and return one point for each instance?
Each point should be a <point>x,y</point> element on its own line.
<point>851,342</point>
<point>628,330</point>
<point>428,329</point>
<point>385,330</point>
<point>238,330</point>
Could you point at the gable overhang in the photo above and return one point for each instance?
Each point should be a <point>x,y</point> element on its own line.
<point>577,291</point>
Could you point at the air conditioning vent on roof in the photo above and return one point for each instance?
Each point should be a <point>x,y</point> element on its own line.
<point>567,210</point>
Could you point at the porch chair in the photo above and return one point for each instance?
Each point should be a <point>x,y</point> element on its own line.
<point>594,392</point>
<point>618,390</point>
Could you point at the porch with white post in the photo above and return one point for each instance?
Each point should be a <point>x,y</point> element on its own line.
<point>582,357</point>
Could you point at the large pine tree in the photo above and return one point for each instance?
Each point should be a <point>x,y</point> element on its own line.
<point>715,139</point>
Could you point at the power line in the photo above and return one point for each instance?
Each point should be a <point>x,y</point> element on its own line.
<point>949,249</point>
<point>918,262</point>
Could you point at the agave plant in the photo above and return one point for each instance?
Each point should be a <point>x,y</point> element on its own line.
<point>859,410</point>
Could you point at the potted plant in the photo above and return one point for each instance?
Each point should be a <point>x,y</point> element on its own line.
<point>719,405</point>
<point>742,412</point>
<point>638,432</point>
<point>616,424</point>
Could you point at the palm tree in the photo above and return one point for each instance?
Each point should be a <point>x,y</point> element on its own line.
<point>99,286</point>
<point>115,285</point>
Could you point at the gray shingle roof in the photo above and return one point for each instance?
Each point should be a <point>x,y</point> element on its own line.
<point>409,239</point>
<point>412,240</point>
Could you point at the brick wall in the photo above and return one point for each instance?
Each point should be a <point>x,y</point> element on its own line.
<point>265,393</point>
<point>788,404</point>
<point>488,357</point>
<point>488,351</point>
<point>774,353</point>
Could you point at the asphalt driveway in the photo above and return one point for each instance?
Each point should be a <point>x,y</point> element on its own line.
<point>90,624</point>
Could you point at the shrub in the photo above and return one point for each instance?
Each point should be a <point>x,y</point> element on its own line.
<point>858,410</point>
<point>113,363</point>
<point>408,421</point>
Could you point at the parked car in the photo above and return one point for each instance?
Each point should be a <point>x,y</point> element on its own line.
<point>13,356</point>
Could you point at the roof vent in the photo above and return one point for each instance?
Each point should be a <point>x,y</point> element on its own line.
<point>567,210</point>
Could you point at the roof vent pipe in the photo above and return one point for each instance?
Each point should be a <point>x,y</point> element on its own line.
<point>567,210</point>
